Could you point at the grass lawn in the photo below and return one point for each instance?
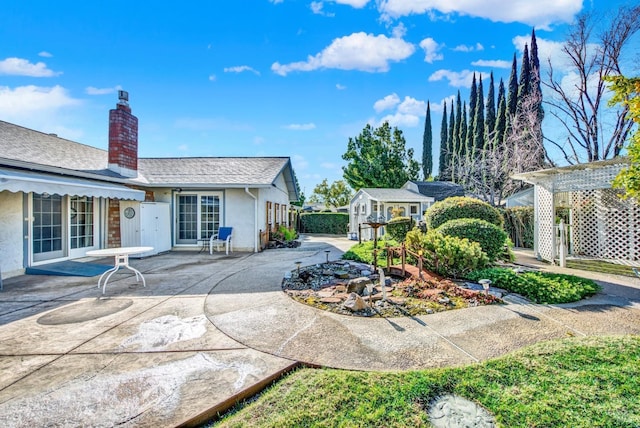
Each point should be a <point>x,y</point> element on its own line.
<point>587,382</point>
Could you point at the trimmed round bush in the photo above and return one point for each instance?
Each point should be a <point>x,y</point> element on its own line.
<point>492,239</point>
<point>446,255</point>
<point>398,227</point>
<point>461,207</point>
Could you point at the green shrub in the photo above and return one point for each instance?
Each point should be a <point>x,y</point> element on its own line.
<point>446,255</point>
<point>398,227</point>
<point>364,252</point>
<point>492,239</point>
<point>461,207</point>
<point>332,223</point>
<point>284,234</point>
<point>539,287</point>
<point>518,222</point>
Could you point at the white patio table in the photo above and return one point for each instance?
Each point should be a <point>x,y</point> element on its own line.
<point>121,255</point>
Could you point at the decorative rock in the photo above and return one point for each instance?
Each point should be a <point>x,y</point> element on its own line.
<point>323,294</point>
<point>455,411</point>
<point>365,272</point>
<point>331,300</point>
<point>358,285</point>
<point>327,272</point>
<point>354,303</point>
<point>379,289</point>
<point>342,274</point>
<point>341,288</point>
<point>397,300</point>
<point>444,300</point>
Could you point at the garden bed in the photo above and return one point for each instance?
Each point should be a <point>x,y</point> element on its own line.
<point>351,288</point>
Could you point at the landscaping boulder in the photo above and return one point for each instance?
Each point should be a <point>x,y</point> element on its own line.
<point>358,285</point>
<point>354,303</point>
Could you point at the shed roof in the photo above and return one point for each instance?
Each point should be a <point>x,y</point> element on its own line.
<point>396,195</point>
<point>439,190</point>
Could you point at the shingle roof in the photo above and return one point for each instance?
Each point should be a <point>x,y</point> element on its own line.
<point>39,151</point>
<point>395,195</point>
<point>213,171</point>
<point>439,190</point>
<point>26,145</point>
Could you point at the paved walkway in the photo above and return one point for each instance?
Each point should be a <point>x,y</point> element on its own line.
<point>208,330</point>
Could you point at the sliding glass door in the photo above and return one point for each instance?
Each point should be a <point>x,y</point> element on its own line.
<point>198,216</point>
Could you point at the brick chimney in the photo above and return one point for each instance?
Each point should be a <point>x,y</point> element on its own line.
<point>123,138</point>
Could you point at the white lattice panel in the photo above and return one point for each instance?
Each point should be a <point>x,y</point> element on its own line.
<point>545,220</point>
<point>605,226</point>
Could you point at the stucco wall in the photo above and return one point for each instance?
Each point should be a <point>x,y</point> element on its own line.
<point>11,234</point>
<point>238,209</point>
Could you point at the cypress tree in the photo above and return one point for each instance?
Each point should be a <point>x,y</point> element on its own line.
<point>458,142</point>
<point>536,92</point>
<point>490,113</point>
<point>478,121</point>
<point>452,151</point>
<point>427,146</point>
<point>473,99</point>
<point>463,131</point>
<point>512,94</point>
<point>444,132</point>
<point>501,119</point>
<point>524,89</point>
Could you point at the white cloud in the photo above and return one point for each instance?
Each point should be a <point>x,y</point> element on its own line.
<point>386,103</point>
<point>258,140</point>
<point>241,69</point>
<point>412,106</point>
<point>439,107</point>
<point>467,48</point>
<point>493,63</point>
<point>25,102</point>
<point>300,126</point>
<point>408,111</point>
<point>540,13</point>
<point>399,31</point>
<point>45,54</point>
<point>22,67</point>
<point>183,148</point>
<point>212,77</point>
<point>276,1</point>
<point>457,78</point>
<point>90,90</point>
<point>358,51</point>
<point>316,7</point>
<point>340,87</point>
<point>546,49</point>
<point>431,48</point>
<point>358,4</point>
<point>400,120</point>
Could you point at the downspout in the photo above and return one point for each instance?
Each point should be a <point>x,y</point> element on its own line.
<point>255,219</point>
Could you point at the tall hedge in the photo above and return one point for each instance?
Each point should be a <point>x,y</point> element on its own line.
<point>398,227</point>
<point>461,207</point>
<point>331,223</point>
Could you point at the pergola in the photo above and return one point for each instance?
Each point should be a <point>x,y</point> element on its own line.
<point>602,225</point>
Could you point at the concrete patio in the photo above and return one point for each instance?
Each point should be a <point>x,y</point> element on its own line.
<point>208,330</point>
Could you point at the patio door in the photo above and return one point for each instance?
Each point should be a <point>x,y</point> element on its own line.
<point>82,215</point>
<point>197,217</point>
<point>49,229</point>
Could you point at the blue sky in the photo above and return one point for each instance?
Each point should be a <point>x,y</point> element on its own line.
<point>261,77</point>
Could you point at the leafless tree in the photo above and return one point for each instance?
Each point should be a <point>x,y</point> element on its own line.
<point>487,174</point>
<point>593,53</point>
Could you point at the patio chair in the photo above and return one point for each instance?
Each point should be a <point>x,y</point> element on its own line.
<point>222,237</point>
